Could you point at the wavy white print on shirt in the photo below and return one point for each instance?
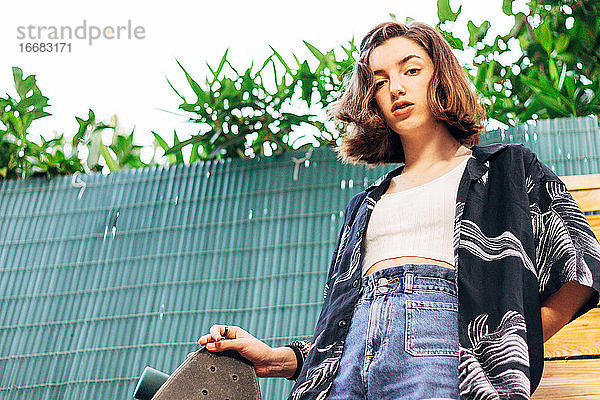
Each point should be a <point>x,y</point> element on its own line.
<point>562,231</point>
<point>494,247</point>
<point>321,374</point>
<point>493,368</point>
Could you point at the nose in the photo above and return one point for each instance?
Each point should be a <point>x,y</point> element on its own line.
<point>396,87</point>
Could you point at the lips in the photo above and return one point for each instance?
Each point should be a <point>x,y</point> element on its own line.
<point>400,105</point>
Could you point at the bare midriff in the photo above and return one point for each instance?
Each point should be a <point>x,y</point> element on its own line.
<point>392,262</point>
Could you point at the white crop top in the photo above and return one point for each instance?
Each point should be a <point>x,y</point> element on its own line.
<point>415,222</point>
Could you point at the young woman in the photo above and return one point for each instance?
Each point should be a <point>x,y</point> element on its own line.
<point>450,271</point>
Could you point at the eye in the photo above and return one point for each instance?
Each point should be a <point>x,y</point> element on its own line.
<point>413,69</point>
<point>379,84</point>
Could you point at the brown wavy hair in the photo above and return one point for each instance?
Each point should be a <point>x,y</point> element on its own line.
<point>367,138</point>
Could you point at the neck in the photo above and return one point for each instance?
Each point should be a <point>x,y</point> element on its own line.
<point>430,147</point>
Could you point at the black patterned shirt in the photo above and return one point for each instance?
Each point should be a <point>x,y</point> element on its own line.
<point>518,237</point>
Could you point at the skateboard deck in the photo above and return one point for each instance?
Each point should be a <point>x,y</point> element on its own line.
<point>211,376</point>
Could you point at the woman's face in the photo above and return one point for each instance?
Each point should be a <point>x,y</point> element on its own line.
<point>402,71</point>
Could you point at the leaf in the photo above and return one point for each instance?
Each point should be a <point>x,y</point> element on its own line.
<point>267,61</point>
<point>569,83</point>
<point>554,104</point>
<point>445,13</point>
<point>481,76</point>
<point>30,107</point>
<point>553,72</point>
<point>101,126</point>
<point>490,71</point>
<point>454,42</point>
<point>178,146</point>
<point>507,7</point>
<point>519,26</point>
<point>548,96</point>
<point>201,94</point>
<point>178,154</point>
<point>320,56</point>
<point>220,67</point>
<point>94,149</point>
<point>275,77</point>
<point>307,79</point>
<point>160,141</point>
<point>477,33</point>
<point>110,162</point>
<point>542,84</point>
<point>175,90</point>
<point>594,102</point>
<point>281,60</point>
<point>561,43</point>
<point>194,156</point>
<point>83,126</point>
<point>543,34</point>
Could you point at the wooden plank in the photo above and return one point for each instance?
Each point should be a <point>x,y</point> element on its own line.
<point>594,221</point>
<point>569,379</point>
<point>578,182</point>
<point>588,199</point>
<point>578,338</point>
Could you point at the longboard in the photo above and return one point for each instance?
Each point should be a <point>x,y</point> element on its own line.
<point>205,376</point>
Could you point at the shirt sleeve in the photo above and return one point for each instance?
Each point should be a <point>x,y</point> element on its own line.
<point>302,346</point>
<point>566,247</point>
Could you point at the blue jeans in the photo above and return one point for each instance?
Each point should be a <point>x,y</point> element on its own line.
<point>403,339</point>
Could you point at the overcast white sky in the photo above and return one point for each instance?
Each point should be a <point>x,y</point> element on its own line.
<point>127,77</point>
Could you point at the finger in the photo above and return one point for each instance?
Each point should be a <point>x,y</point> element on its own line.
<point>216,332</point>
<point>205,339</point>
<point>219,332</point>
<point>233,344</point>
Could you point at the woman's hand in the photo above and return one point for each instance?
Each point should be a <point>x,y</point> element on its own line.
<point>268,362</point>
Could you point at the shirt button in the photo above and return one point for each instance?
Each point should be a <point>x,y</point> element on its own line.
<point>342,323</point>
<point>358,233</point>
<point>383,281</point>
<point>355,283</point>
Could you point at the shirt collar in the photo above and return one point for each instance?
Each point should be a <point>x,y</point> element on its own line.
<point>476,167</point>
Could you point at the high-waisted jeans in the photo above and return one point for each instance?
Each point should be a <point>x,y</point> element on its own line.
<point>403,339</point>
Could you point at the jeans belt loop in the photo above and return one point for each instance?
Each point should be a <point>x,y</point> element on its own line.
<point>408,283</point>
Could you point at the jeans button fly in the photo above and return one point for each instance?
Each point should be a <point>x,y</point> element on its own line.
<point>383,285</point>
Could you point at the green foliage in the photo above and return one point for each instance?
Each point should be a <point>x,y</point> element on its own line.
<point>557,73</point>
<point>21,157</point>
<point>121,153</point>
<point>241,114</point>
<point>444,11</point>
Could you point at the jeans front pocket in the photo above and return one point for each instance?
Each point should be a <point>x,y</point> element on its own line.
<point>431,328</point>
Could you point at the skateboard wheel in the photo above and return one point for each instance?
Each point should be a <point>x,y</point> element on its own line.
<point>149,383</point>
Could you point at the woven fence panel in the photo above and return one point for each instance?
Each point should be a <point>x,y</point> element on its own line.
<point>133,272</point>
<point>97,283</point>
<point>570,146</point>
